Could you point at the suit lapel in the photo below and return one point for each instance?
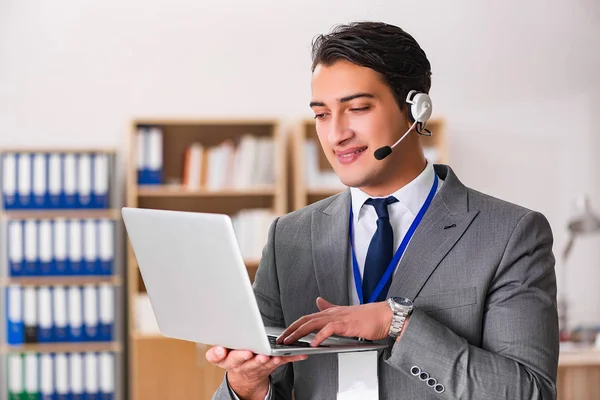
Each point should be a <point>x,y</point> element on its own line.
<point>330,249</point>
<point>442,226</point>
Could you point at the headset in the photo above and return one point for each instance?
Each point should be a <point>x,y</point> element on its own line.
<point>419,112</point>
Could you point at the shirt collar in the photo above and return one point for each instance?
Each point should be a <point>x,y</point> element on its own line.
<point>412,195</point>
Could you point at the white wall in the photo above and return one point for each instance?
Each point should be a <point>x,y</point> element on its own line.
<point>516,81</point>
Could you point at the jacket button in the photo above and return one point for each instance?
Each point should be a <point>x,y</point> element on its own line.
<point>439,388</point>
<point>415,371</point>
<point>424,376</point>
<point>431,382</point>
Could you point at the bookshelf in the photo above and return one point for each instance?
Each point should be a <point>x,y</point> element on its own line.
<point>178,164</point>
<point>60,274</point>
<point>313,177</point>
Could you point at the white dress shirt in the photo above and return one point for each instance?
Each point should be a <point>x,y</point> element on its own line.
<point>402,213</point>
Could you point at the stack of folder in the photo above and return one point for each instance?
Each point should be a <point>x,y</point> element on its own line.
<point>149,155</point>
<point>55,180</point>
<point>61,376</point>
<point>60,314</point>
<point>60,310</point>
<point>60,246</point>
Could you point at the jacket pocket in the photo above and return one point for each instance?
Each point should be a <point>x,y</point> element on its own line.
<point>447,299</point>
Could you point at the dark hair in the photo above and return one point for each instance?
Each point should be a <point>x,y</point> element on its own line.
<point>387,49</point>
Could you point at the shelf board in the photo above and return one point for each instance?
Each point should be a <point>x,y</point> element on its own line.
<point>59,280</point>
<point>181,191</point>
<point>80,214</point>
<point>75,347</point>
<point>579,357</point>
<point>59,150</point>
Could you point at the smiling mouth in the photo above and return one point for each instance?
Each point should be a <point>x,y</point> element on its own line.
<point>351,154</point>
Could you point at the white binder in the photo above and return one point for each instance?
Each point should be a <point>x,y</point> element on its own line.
<point>84,186</point>
<point>15,248</point>
<point>31,374</point>
<point>39,180</point>
<point>61,368</point>
<point>55,184</point>
<point>46,377</point>
<point>31,247</point>
<point>45,247</point>
<point>24,182</point>
<point>76,376</point>
<point>44,314</point>
<point>90,314</point>
<point>59,303</point>
<point>91,374</point>
<point>9,180</point>
<point>75,315</point>
<point>60,247</point>
<point>75,247</point>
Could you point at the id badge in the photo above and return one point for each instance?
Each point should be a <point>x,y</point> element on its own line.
<point>357,376</point>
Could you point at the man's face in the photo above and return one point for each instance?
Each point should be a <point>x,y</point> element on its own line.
<point>356,113</point>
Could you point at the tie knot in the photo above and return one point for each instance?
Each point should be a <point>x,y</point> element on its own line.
<point>381,204</point>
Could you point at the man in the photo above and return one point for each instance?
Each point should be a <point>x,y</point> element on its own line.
<point>478,271</point>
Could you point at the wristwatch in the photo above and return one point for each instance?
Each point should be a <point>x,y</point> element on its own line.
<point>402,308</point>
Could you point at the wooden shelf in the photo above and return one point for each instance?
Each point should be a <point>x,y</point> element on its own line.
<point>161,367</point>
<point>180,191</point>
<point>75,347</point>
<point>79,214</point>
<point>59,280</point>
<point>58,150</point>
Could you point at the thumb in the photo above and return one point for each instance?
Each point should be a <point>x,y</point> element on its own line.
<point>216,354</point>
<point>323,304</point>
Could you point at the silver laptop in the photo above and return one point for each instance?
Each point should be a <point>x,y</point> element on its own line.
<point>199,288</point>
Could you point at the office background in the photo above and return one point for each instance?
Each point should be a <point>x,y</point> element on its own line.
<point>516,84</point>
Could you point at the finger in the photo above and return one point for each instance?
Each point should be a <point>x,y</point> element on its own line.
<point>215,355</point>
<point>236,358</point>
<point>257,366</point>
<point>295,325</point>
<point>333,328</point>
<point>324,304</point>
<point>308,327</point>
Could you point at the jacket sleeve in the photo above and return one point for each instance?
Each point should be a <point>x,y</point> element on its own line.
<point>266,291</point>
<point>518,357</point>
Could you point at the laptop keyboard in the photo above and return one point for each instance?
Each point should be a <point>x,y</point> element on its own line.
<point>275,345</point>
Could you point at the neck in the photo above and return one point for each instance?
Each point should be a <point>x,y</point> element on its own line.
<point>403,170</point>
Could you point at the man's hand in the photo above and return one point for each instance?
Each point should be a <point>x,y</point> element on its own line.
<point>368,321</point>
<point>247,373</point>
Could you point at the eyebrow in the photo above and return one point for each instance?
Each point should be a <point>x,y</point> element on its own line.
<point>343,99</point>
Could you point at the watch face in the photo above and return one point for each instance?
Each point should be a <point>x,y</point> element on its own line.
<point>403,301</point>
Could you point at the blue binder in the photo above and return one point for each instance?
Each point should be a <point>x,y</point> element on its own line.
<point>91,314</point>
<point>14,316</point>
<point>16,250</point>
<point>106,246</point>
<point>31,246</point>
<point>44,315</point>
<point>100,181</point>
<point>60,247</point>
<point>55,180</point>
<point>75,331</point>
<point>40,181</point>
<point>9,181</point>
<point>24,181</point>
<point>60,316</point>
<point>70,199</point>
<point>75,242</point>
<point>45,247</point>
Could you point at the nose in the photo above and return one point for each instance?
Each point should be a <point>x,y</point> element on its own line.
<point>339,130</point>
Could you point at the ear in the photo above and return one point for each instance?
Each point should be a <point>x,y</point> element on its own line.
<point>324,304</point>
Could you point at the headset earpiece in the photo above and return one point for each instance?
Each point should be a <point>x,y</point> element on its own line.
<point>420,106</point>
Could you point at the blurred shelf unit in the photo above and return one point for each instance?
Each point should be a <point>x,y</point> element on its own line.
<point>233,167</point>
<point>313,177</point>
<point>60,275</point>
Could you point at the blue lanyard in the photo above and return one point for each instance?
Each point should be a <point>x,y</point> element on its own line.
<point>388,272</point>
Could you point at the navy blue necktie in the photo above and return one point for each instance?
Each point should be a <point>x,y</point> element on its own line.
<point>380,252</point>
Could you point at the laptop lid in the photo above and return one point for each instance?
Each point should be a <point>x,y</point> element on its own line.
<point>196,278</point>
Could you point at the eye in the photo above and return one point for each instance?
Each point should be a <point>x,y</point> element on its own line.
<point>320,116</point>
<point>358,109</point>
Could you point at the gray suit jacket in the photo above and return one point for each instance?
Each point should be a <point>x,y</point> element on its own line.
<point>480,272</point>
